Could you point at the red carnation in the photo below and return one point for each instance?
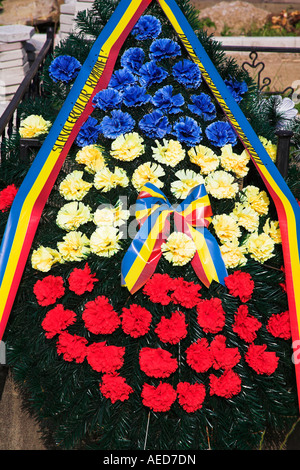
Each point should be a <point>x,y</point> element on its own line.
<point>185,293</point>
<point>104,358</point>
<point>136,320</point>
<point>72,347</point>
<point>262,361</point>
<point>240,285</point>
<point>57,320</point>
<point>157,362</point>
<point>190,396</point>
<point>279,325</point>
<point>211,316</point>
<point>82,280</point>
<point>7,196</point>
<point>158,287</point>
<point>159,398</point>
<point>198,355</point>
<point>48,290</point>
<point>226,386</point>
<point>99,316</point>
<point>114,387</point>
<point>223,357</point>
<point>172,330</point>
<point>245,325</point>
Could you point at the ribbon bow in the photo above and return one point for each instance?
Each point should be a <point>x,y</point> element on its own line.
<point>191,217</point>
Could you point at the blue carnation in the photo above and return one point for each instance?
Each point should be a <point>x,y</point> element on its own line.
<point>135,96</point>
<point>237,88</point>
<point>203,106</point>
<point>121,78</point>
<point>155,125</point>
<point>166,101</point>
<point>107,99</point>
<point>221,133</point>
<point>119,123</point>
<point>164,49</point>
<point>88,133</point>
<point>187,73</point>
<point>64,68</point>
<point>188,131</point>
<point>147,27</point>
<point>150,73</point>
<point>133,59</point>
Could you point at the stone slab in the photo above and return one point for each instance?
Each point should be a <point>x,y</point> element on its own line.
<point>15,33</point>
<point>66,19</point>
<point>80,6</point>
<point>13,63</point>
<point>12,55</point>
<point>14,75</point>
<point>6,46</point>
<point>67,8</point>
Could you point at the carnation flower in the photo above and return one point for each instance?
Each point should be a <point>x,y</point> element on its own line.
<point>105,241</point>
<point>121,78</point>
<point>246,216</point>
<point>147,173</point>
<point>245,325</point>
<point>157,362</point>
<point>185,293</point>
<point>220,185</point>
<point>223,357</point>
<point>107,99</point>
<point>164,49</point>
<point>48,290</point>
<point>72,347</point>
<point>221,133</point>
<point>211,316</point>
<point>187,73</point>
<point>187,180</point>
<point>236,88</point>
<point>257,199</point>
<point>74,187</point>
<point>7,196</point>
<point>203,106</point>
<point>64,68</point>
<point>227,385</point>
<point>166,102</point>
<point>155,125</point>
<point>72,215</point>
<point>269,147</point>
<point>103,358</point>
<point>230,161</point>
<point>105,180</point>
<point>205,158</point>
<point>172,330</point>
<point>233,254</point>
<point>188,131</point>
<point>170,153</point>
<point>240,284</point>
<point>272,229</point>
<point>114,216</point>
<point>147,27</point>
<point>260,247</point>
<point>133,59</point>
<point>198,356</point>
<point>179,249</point>
<point>99,316</point>
<point>279,325</point>
<point>136,320</point>
<point>88,133</point>
<point>262,361</point>
<point>159,398</point>
<point>158,287</point>
<point>135,95</point>
<point>127,147</point>
<point>91,156</point>
<point>119,123</point>
<point>191,396</point>
<point>33,126</point>
<point>151,73</point>
<point>43,258</point>
<point>74,247</point>
<point>226,227</point>
<point>114,387</point>
<point>82,280</point>
<point>57,320</point>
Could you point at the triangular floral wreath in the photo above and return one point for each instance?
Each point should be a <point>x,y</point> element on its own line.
<point>94,76</point>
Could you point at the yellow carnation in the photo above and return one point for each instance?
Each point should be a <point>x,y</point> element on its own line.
<point>105,241</point>
<point>75,246</point>
<point>127,147</point>
<point>91,156</point>
<point>72,215</point>
<point>170,153</point>
<point>33,126</point>
<point>231,161</point>
<point>187,180</point>
<point>114,216</point>
<point>220,185</point>
<point>246,216</point>
<point>205,158</point>
<point>260,247</point>
<point>270,148</point>
<point>233,254</point>
<point>258,200</point>
<point>272,229</point>
<point>179,249</point>
<point>105,180</point>
<point>226,227</point>
<point>73,187</point>
<point>147,173</point>
<point>43,258</point>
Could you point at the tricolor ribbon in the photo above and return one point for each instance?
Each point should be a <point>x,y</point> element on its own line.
<point>192,217</point>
